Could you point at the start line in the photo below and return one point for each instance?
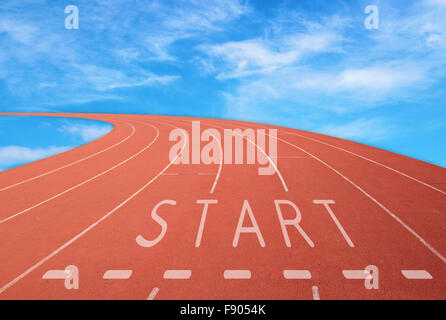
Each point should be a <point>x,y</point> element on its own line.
<point>254,228</point>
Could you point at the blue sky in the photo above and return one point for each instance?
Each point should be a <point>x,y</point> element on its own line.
<point>310,65</point>
<point>25,139</point>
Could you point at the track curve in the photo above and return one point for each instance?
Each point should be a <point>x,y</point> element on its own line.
<point>328,210</point>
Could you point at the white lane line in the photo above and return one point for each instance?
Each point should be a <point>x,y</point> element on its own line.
<point>220,165</point>
<point>264,153</point>
<point>82,183</point>
<point>117,274</point>
<point>356,274</point>
<point>237,274</point>
<point>55,274</point>
<point>296,274</point>
<point>416,274</point>
<point>68,243</point>
<point>390,213</point>
<point>189,174</point>
<point>326,203</point>
<point>370,160</point>
<point>153,293</point>
<point>315,290</point>
<point>292,157</point>
<point>177,274</point>
<point>72,163</point>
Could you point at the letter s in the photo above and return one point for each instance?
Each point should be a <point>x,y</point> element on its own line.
<point>150,243</point>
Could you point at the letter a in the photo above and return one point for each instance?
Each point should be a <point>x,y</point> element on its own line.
<point>72,21</point>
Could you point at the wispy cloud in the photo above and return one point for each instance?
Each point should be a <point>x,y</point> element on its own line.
<point>86,132</point>
<point>373,129</point>
<point>15,155</point>
<point>260,56</point>
<point>302,68</point>
<point>118,46</point>
<point>107,79</point>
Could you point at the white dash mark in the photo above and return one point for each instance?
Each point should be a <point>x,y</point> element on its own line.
<point>296,274</point>
<point>55,274</point>
<point>315,290</point>
<point>237,274</point>
<point>153,293</point>
<point>177,274</point>
<point>416,274</point>
<point>117,274</point>
<point>356,274</point>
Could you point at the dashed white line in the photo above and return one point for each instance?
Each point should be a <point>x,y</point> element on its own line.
<point>356,274</point>
<point>118,274</point>
<point>68,243</point>
<point>416,274</point>
<point>177,274</point>
<point>153,293</point>
<point>55,274</point>
<point>72,163</point>
<point>296,274</point>
<point>237,274</point>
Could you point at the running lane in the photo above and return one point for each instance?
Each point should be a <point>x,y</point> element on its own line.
<point>358,208</point>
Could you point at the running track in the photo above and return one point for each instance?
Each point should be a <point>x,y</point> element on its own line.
<point>86,207</point>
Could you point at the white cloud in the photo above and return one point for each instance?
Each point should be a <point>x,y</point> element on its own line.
<point>360,129</point>
<point>302,72</point>
<point>378,79</point>
<point>259,56</point>
<point>86,132</point>
<point>107,79</point>
<point>15,155</point>
<point>21,32</point>
<point>194,16</point>
<point>289,90</point>
<point>439,3</point>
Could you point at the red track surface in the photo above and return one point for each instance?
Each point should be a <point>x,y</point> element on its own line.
<point>61,211</point>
